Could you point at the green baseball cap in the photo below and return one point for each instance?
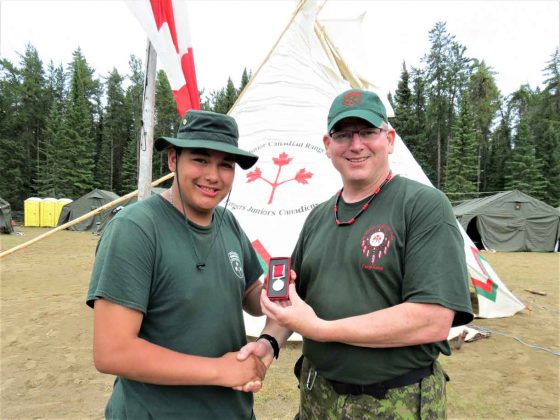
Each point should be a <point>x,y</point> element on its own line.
<point>208,130</point>
<point>360,104</point>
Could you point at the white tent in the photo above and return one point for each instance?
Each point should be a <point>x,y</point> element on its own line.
<point>282,117</point>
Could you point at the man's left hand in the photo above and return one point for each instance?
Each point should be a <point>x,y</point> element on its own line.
<point>294,314</point>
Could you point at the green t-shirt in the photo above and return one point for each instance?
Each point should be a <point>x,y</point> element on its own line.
<point>406,247</point>
<point>145,261</point>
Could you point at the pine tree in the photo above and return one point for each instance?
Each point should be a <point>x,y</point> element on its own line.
<point>418,141</point>
<point>32,116</point>
<point>462,161</point>
<point>403,104</point>
<point>499,151</point>
<point>524,170</point>
<point>245,77</point>
<point>166,122</point>
<point>446,72</point>
<point>133,106</point>
<point>115,135</point>
<point>484,97</point>
<point>48,184</point>
<point>225,98</point>
<point>12,166</point>
<point>76,137</point>
<point>12,150</point>
<point>546,125</point>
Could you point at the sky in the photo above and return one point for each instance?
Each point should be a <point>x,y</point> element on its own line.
<point>514,37</point>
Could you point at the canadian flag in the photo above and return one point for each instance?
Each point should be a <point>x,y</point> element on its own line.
<point>166,24</point>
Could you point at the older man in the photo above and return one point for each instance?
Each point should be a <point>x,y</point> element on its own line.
<point>381,278</point>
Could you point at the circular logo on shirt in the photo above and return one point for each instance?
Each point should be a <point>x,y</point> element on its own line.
<point>376,242</point>
<point>235,262</point>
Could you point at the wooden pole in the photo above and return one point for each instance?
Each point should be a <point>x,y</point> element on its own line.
<point>147,130</point>
<point>84,217</point>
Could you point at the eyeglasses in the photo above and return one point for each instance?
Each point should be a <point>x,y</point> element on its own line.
<point>345,136</point>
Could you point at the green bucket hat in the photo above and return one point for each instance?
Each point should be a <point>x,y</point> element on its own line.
<point>208,130</point>
<point>360,104</point>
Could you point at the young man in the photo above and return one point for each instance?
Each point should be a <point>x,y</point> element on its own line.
<point>381,278</point>
<point>171,277</point>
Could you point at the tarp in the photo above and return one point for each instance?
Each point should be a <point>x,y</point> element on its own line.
<point>282,117</point>
<point>5,217</point>
<point>510,221</point>
<point>86,203</point>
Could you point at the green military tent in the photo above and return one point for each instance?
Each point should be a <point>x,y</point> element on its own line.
<point>5,217</point>
<point>83,205</point>
<point>108,215</point>
<point>510,221</point>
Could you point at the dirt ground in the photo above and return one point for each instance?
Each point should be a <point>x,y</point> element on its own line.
<point>46,333</point>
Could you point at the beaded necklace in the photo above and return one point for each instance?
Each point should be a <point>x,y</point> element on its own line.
<point>364,207</point>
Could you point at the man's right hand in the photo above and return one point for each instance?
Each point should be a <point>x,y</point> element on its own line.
<point>261,349</point>
<point>239,373</point>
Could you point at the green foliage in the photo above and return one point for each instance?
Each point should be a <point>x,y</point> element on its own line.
<point>461,177</point>
<point>446,74</point>
<point>63,132</point>
<point>166,122</point>
<point>523,169</point>
<point>222,100</point>
<point>115,136</point>
<point>245,77</point>
<point>12,165</point>
<point>485,101</point>
<point>499,151</point>
<point>225,98</point>
<point>547,129</point>
<point>133,106</point>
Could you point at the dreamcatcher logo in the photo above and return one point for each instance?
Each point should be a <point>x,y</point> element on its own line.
<point>375,244</point>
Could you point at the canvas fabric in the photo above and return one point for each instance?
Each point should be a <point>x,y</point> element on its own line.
<point>145,262</point>
<point>406,247</point>
<point>511,221</point>
<point>424,400</point>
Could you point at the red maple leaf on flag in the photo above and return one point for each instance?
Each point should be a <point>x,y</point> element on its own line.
<point>254,175</point>
<point>166,25</point>
<point>302,176</point>
<point>282,159</point>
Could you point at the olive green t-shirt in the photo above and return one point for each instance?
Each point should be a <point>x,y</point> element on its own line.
<point>405,247</point>
<point>145,261</point>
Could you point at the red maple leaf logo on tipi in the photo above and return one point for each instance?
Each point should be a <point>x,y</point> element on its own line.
<point>282,160</point>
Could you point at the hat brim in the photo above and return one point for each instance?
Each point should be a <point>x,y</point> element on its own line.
<point>242,157</point>
<point>371,117</point>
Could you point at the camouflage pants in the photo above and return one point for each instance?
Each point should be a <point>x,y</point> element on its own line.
<point>424,400</point>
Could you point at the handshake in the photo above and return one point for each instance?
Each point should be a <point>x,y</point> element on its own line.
<point>246,369</point>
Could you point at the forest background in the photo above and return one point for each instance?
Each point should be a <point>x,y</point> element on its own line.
<point>65,131</point>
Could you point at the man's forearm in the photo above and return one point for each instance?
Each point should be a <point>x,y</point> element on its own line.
<point>401,325</point>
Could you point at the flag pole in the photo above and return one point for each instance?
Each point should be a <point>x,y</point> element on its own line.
<point>147,130</point>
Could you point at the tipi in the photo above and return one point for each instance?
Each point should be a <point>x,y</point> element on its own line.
<point>282,117</point>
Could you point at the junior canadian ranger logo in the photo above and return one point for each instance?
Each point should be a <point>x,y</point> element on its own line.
<point>376,241</point>
<point>236,264</point>
<point>352,98</point>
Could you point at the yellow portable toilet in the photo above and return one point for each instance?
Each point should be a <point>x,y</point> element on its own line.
<point>32,211</point>
<point>61,202</point>
<point>48,211</point>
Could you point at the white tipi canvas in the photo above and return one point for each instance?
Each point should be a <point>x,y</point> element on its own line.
<point>282,117</point>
